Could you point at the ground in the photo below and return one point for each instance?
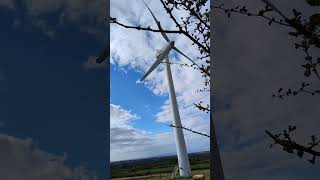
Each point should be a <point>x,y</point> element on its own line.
<point>158,168</point>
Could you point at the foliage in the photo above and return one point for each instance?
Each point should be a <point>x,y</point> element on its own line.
<point>285,140</point>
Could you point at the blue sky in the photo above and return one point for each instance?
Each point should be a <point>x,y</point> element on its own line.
<point>125,91</point>
<point>46,92</point>
<point>140,111</point>
<point>53,107</point>
<point>52,94</point>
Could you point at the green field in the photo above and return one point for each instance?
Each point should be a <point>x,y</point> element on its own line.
<point>164,176</point>
<point>159,168</point>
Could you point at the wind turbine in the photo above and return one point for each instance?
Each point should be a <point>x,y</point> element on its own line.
<point>183,159</point>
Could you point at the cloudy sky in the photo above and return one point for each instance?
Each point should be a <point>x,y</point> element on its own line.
<point>140,112</point>
<point>52,115</point>
<point>253,60</point>
<point>53,112</point>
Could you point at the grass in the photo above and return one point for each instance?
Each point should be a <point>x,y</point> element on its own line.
<point>156,170</point>
<point>160,168</point>
<point>165,176</point>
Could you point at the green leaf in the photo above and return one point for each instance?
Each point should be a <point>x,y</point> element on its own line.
<point>313,2</point>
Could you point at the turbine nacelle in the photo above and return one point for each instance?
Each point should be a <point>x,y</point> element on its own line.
<point>164,52</point>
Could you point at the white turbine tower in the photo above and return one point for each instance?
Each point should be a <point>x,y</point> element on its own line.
<point>183,159</point>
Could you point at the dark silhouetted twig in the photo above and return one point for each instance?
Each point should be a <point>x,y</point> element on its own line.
<point>196,132</point>
<point>284,139</point>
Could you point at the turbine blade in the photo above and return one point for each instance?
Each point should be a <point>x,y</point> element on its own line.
<point>154,65</point>
<point>103,55</point>
<point>158,24</point>
<point>176,49</point>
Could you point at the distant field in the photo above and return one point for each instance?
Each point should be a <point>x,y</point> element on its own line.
<point>158,168</point>
<point>165,176</point>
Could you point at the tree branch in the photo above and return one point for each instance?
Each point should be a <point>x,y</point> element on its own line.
<point>169,11</point>
<point>289,92</point>
<point>290,146</point>
<point>244,11</point>
<point>114,21</point>
<point>202,134</point>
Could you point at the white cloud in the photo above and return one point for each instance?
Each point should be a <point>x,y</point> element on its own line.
<point>127,142</point>
<point>136,50</point>
<point>89,16</point>
<point>21,159</point>
<point>120,117</point>
<point>44,27</point>
<point>7,3</point>
<point>73,10</point>
<point>133,49</point>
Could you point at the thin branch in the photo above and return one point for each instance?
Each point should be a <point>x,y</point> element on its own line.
<point>290,146</point>
<point>114,21</point>
<point>289,92</point>
<point>194,13</point>
<point>169,11</point>
<point>245,12</point>
<point>181,31</point>
<point>202,108</point>
<point>296,24</point>
<point>286,22</point>
<point>313,65</point>
<point>182,65</point>
<point>202,134</point>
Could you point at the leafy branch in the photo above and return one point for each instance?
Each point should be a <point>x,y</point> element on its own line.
<point>200,106</point>
<point>284,139</point>
<point>289,92</point>
<point>244,11</point>
<point>307,37</point>
<point>307,30</point>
